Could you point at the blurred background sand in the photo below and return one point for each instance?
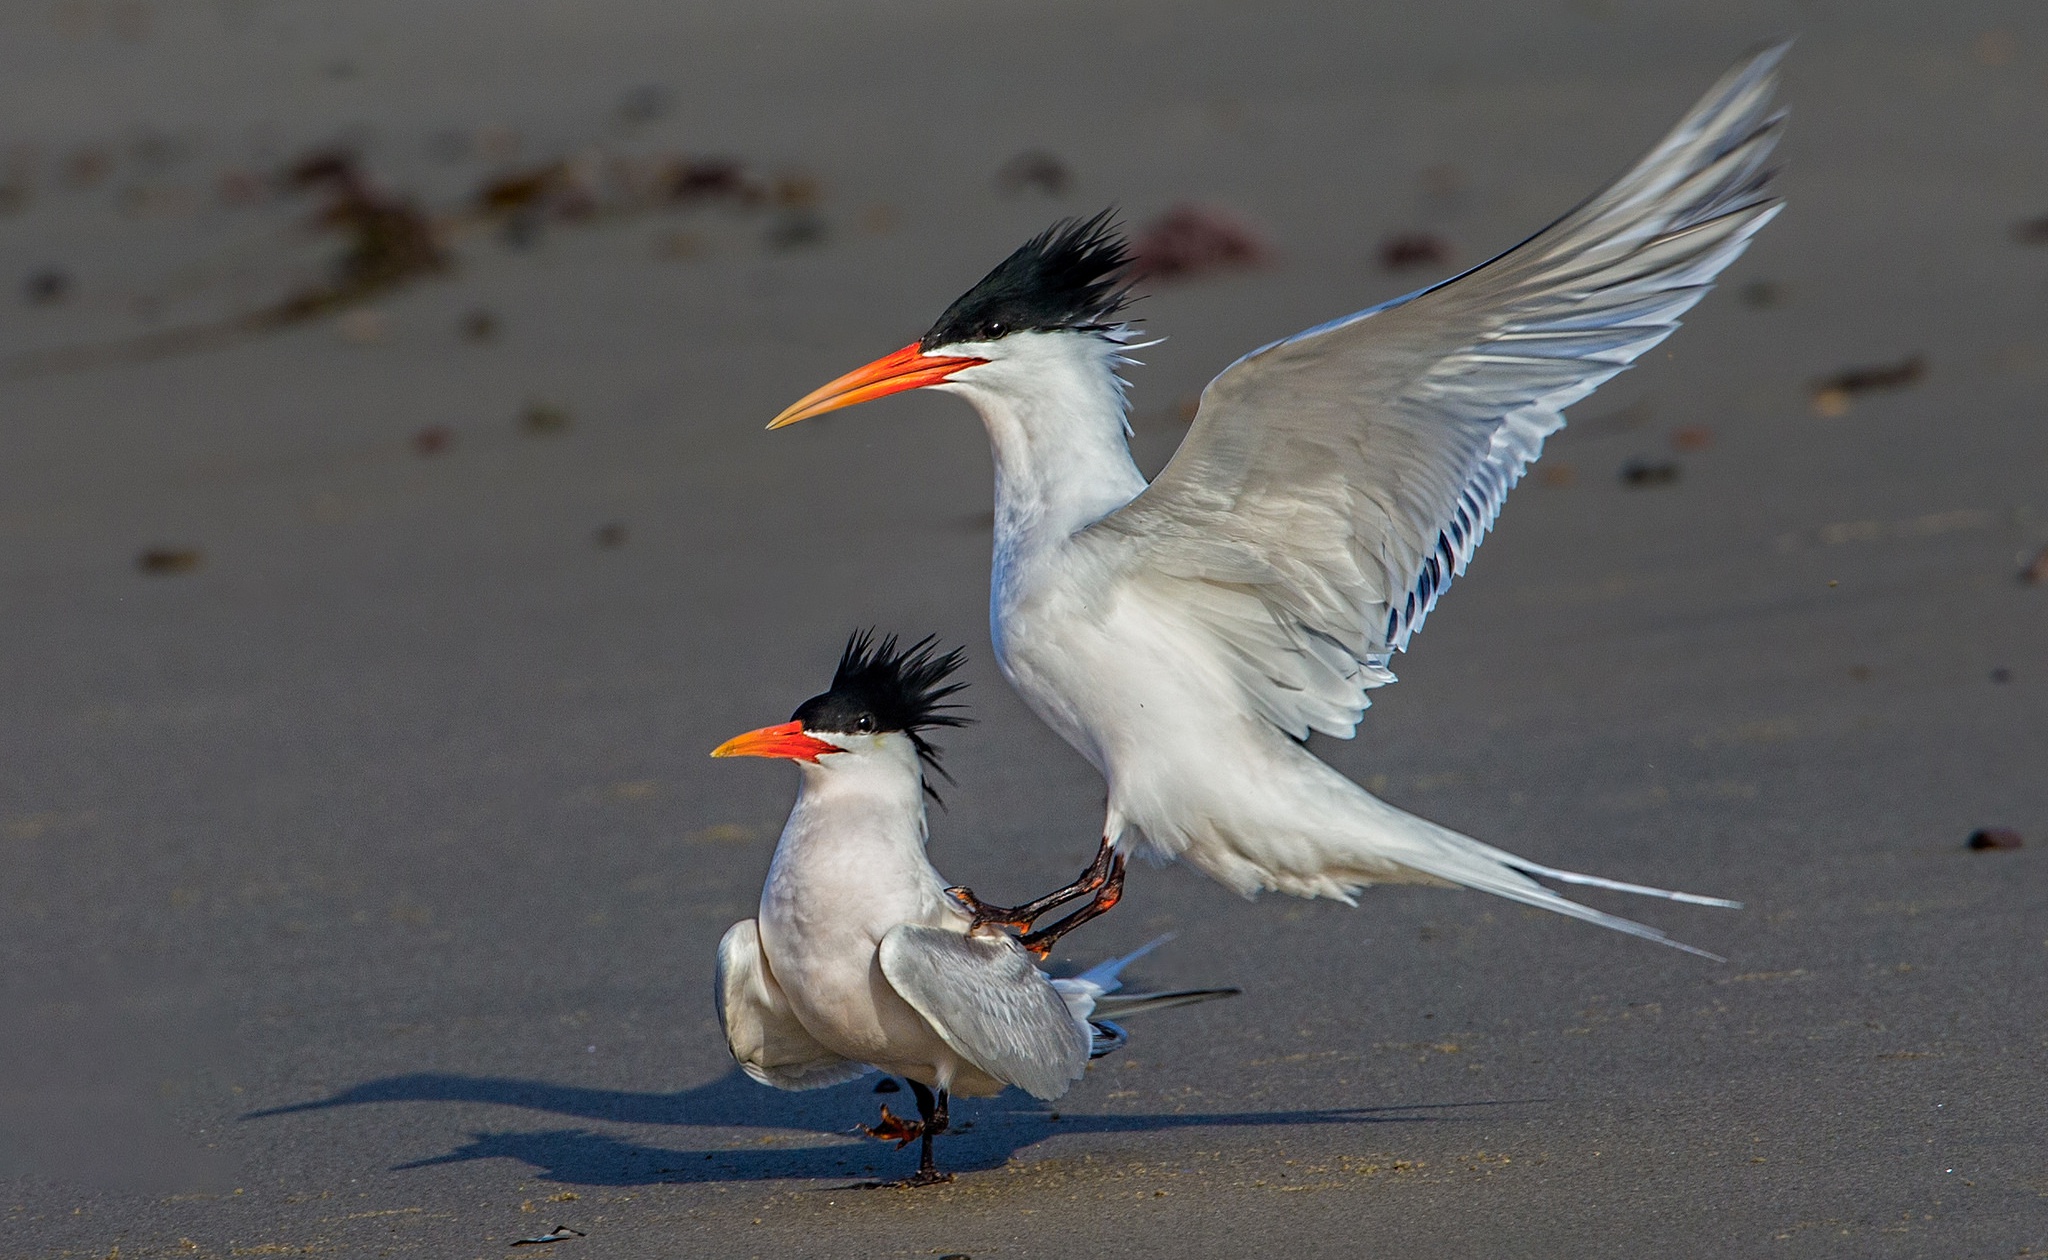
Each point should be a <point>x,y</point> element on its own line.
<point>382,550</point>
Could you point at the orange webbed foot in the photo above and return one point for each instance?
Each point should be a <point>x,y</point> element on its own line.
<point>894,1128</point>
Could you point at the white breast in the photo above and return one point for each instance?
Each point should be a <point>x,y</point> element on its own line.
<point>850,866</point>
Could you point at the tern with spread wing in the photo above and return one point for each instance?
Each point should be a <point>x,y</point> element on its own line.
<point>862,958</point>
<point>1186,636</point>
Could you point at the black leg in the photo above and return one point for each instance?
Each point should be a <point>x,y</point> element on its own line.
<point>1020,917</point>
<point>1111,892</point>
<point>932,1119</point>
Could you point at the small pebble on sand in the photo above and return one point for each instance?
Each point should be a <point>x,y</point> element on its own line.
<point>1995,838</point>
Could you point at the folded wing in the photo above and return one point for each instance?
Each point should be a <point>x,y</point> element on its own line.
<point>991,1004</point>
<point>762,1032</point>
<point>1335,482</point>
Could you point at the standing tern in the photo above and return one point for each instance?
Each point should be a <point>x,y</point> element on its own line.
<point>1186,636</point>
<point>861,957</point>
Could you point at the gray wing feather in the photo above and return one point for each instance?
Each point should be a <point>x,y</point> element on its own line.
<point>1335,482</point>
<point>760,1029</point>
<point>991,1005</point>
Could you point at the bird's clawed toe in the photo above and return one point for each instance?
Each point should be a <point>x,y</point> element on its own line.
<point>894,1128</point>
<point>1107,894</point>
<point>986,915</point>
<point>1102,878</point>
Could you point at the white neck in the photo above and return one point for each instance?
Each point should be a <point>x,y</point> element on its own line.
<point>850,865</point>
<point>879,785</point>
<point>1054,411</point>
<point>871,798</point>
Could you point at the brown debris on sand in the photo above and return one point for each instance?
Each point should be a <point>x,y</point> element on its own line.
<point>159,561</point>
<point>1190,239</point>
<point>1034,170</point>
<point>1639,473</point>
<point>2031,231</point>
<point>1413,249</point>
<point>1833,394</point>
<point>689,181</point>
<point>520,201</point>
<point>388,239</point>
<point>1995,838</point>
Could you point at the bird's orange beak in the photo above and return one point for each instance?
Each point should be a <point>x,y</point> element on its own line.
<point>908,368</point>
<point>787,740</point>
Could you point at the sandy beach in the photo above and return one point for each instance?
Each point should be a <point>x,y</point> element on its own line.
<point>385,543</point>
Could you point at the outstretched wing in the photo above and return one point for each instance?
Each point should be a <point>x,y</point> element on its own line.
<point>991,1005</point>
<point>1334,483</point>
<point>761,1030</point>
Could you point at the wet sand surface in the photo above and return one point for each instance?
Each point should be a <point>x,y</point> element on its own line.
<point>363,863</point>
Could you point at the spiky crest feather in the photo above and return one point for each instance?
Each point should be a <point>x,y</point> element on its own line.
<point>897,689</point>
<point>1068,277</point>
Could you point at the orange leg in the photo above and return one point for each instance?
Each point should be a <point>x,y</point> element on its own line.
<point>1111,892</point>
<point>1020,918</point>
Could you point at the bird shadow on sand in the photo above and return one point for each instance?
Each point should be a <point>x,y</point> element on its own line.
<point>988,1132</point>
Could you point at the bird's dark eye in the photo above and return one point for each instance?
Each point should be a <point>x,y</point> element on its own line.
<point>995,330</point>
<point>865,723</point>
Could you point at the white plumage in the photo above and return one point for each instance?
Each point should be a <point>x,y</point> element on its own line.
<point>860,958</point>
<point>1186,635</point>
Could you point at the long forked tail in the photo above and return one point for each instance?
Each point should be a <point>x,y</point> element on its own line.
<point>1093,997</point>
<point>1462,860</point>
<point>1125,1005</point>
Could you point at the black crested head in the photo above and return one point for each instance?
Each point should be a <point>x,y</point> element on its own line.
<point>879,688</point>
<point>1066,277</point>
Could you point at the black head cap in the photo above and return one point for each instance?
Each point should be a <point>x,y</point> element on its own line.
<point>1066,277</point>
<point>880,688</point>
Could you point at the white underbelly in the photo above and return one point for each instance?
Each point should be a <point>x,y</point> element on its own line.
<point>1089,670</point>
<point>821,927</point>
<point>1143,697</point>
<point>837,993</point>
